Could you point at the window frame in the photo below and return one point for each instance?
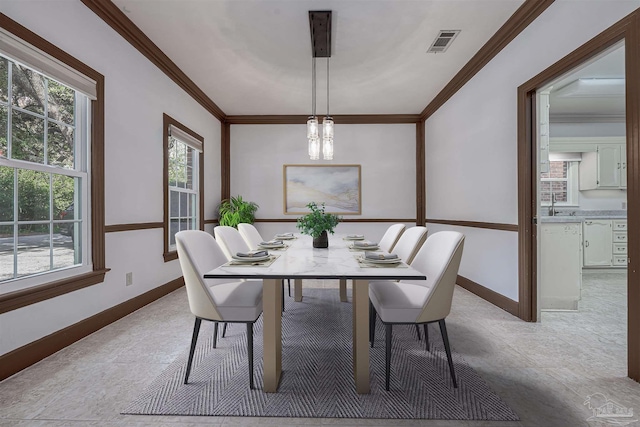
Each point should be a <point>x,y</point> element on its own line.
<point>57,285</point>
<point>167,122</point>
<point>572,185</point>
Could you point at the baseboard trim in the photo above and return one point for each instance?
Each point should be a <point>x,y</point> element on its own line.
<point>487,294</point>
<point>25,356</point>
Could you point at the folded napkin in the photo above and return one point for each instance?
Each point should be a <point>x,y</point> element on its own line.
<point>284,235</point>
<point>252,254</point>
<point>364,244</point>
<point>272,242</point>
<point>355,236</point>
<point>379,255</point>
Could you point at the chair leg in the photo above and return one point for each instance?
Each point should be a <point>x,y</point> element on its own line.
<point>372,323</point>
<point>426,335</point>
<point>215,334</point>
<point>194,338</point>
<point>289,285</point>
<point>282,294</point>
<point>250,352</point>
<point>224,330</point>
<point>387,352</point>
<point>445,339</point>
<point>418,331</point>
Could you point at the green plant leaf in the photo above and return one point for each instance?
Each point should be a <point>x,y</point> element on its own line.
<point>235,210</point>
<point>317,221</point>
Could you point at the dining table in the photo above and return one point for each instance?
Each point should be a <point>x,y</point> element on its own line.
<point>299,260</point>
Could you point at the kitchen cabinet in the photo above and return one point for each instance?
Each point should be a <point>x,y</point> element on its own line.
<point>619,243</point>
<point>560,262</point>
<point>605,168</point>
<point>598,241</point>
<point>605,243</point>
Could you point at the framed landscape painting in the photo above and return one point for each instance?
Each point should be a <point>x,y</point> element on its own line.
<point>337,186</point>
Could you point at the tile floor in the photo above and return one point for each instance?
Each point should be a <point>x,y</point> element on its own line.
<point>545,371</point>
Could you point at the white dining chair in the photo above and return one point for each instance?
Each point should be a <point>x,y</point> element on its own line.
<point>410,243</point>
<point>420,301</point>
<point>250,234</point>
<point>253,238</point>
<point>215,300</point>
<point>230,241</point>
<point>391,236</point>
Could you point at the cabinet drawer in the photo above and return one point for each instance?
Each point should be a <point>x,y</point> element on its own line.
<point>619,237</point>
<point>619,248</point>
<point>619,225</point>
<point>619,260</point>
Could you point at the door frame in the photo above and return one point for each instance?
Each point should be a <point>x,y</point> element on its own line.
<point>627,29</point>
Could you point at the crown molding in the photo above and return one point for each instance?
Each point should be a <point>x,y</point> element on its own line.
<point>116,19</point>
<point>521,18</point>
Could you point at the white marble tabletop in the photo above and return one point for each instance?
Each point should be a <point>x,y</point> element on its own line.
<point>302,261</point>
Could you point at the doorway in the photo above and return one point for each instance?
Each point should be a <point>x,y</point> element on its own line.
<point>628,31</point>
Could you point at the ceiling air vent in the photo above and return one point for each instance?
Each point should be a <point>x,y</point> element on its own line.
<point>443,41</point>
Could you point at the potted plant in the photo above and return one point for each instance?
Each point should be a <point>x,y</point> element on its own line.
<point>235,210</point>
<point>317,223</point>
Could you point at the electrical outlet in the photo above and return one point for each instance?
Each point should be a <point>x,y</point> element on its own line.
<point>129,279</point>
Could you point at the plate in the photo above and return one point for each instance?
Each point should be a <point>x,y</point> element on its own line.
<point>354,237</point>
<point>250,259</point>
<point>272,246</point>
<point>284,237</point>
<point>365,248</point>
<point>382,261</point>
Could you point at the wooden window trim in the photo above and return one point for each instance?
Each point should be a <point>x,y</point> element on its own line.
<point>22,298</point>
<point>166,122</point>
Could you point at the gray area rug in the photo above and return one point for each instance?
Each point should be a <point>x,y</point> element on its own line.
<point>317,378</point>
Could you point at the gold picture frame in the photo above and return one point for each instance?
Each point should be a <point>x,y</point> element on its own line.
<point>338,186</point>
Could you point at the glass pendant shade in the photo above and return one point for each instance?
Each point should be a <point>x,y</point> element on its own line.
<point>314,148</point>
<point>327,138</point>
<point>327,148</point>
<point>312,128</point>
<point>327,127</point>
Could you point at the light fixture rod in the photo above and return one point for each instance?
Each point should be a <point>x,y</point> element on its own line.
<point>328,87</point>
<point>313,88</point>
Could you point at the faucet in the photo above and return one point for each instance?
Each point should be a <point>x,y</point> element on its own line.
<point>552,208</point>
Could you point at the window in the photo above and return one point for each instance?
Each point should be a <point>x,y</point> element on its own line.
<point>51,170</point>
<point>562,182</point>
<point>44,177</point>
<point>183,157</point>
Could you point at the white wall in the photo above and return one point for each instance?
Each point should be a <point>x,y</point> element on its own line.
<point>471,141</point>
<point>385,152</point>
<point>137,93</point>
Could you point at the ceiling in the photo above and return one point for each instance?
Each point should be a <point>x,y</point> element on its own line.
<point>253,57</point>
<point>608,65</point>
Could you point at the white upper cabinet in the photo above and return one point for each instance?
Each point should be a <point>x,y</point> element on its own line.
<point>604,160</point>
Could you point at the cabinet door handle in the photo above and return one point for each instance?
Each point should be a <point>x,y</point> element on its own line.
<point>618,165</point>
<point>624,165</point>
<point>586,243</point>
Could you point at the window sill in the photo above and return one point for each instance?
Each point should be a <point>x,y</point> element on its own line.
<point>22,298</point>
<point>170,256</point>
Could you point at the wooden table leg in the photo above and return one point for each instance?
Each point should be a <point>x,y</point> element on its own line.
<point>360,305</point>
<point>343,290</point>
<point>297,290</point>
<point>272,333</point>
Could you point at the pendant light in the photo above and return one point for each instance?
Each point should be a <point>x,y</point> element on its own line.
<point>320,26</point>
<point>327,128</point>
<point>312,122</point>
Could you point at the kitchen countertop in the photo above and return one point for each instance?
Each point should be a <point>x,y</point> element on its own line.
<point>564,215</point>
